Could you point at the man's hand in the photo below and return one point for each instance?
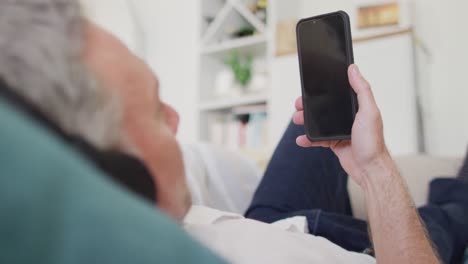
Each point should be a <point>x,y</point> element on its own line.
<point>397,233</point>
<point>367,145</point>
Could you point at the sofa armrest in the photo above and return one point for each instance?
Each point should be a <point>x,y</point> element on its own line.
<point>418,171</point>
<point>219,178</point>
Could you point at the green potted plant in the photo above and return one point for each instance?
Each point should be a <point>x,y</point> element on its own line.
<point>241,67</point>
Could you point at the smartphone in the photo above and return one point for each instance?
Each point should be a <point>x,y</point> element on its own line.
<point>325,52</point>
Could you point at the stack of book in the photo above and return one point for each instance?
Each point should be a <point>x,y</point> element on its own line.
<point>243,127</point>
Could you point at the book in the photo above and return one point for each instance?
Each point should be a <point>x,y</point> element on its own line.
<point>242,128</point>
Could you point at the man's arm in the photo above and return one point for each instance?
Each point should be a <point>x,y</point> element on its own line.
<point>397,232</point>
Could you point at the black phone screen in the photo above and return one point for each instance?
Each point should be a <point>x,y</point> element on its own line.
<point>327,95</point>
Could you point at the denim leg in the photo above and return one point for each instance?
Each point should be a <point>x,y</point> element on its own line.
<point>446,218</point>
<point>300,179</point>
<point>309,182</point>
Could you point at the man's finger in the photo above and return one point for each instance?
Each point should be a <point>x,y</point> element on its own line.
<point>298,104</point>
<point>304,142</point>
<point>362,88</point>
<point>298,118</point>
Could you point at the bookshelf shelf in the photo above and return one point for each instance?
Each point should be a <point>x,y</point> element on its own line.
<point>224,104</point>
<point>251,18</point>
<point>244,44</point>
<point>217,22</point>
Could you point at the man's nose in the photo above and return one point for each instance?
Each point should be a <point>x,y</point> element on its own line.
<point>173,118</point>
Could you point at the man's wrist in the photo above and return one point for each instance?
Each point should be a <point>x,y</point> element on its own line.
<point>379,173</point>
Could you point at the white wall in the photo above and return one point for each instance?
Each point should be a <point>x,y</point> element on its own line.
<point>441,25</point>
<point>171,48</point>
<point>165,34</point>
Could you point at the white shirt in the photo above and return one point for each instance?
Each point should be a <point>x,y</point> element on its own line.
<point>241,240</point>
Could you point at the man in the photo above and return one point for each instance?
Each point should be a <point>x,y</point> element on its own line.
<point>148,129</point>
<point>397,233</point>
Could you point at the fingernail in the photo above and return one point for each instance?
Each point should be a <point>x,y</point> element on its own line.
<point>356,71</point>
<point>299,140</point>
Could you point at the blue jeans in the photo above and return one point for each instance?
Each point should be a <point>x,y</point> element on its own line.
<point>311,183</point>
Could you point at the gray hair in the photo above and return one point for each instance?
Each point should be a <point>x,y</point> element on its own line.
<point>41,43</point>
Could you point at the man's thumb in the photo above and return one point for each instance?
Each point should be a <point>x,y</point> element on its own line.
<point>362,88</point>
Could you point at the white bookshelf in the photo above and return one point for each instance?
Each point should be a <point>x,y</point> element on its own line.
<point>217,45</point>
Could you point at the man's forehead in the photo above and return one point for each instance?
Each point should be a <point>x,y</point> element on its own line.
<point>101,36</point>
<point>105,46</point>
<point>107,25</point>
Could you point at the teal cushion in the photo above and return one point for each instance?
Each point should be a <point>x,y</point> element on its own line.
<point>56,208</point>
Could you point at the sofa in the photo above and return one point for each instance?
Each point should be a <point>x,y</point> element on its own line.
<point>226,180</point>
